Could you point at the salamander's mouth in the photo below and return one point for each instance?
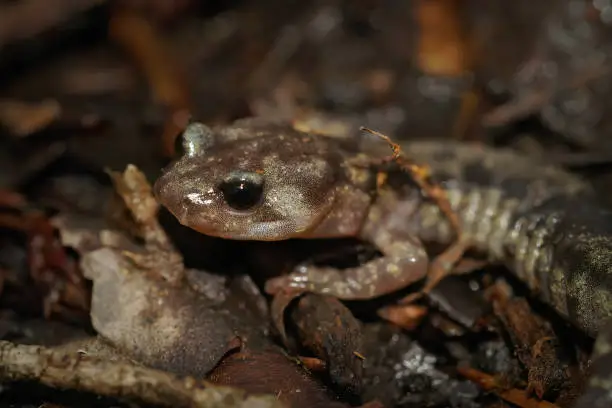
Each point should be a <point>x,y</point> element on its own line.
<point>261,231</point>
<point>238,230</point>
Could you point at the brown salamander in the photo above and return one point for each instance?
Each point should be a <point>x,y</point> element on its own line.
<point>261,180</point>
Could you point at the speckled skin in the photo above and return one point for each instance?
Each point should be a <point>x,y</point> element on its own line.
<point>540,221</point>
<point>312,190</point>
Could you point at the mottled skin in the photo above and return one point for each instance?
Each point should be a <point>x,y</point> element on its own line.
<point>309,190</point>
<point>540,221</point>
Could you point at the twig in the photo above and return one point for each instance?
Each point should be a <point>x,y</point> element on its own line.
<point>135,191</point>
<point>443,264</point>
<point>535,343</point>
<point>69,370</point>
<point>422,176</point>
<point>515,396</point>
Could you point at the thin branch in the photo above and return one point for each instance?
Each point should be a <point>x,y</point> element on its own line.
<point>77,371</point>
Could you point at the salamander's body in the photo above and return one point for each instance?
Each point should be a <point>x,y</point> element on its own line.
<point>262,181</point>
<point>540,221</point>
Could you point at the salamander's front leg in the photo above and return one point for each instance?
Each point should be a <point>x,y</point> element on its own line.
<point>404,261</point>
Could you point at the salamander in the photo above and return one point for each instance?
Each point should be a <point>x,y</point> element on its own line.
<point>259,179</point>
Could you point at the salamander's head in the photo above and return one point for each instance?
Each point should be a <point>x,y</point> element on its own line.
<point>263,183</point>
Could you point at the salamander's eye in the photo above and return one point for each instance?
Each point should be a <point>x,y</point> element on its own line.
<point>242,190</point>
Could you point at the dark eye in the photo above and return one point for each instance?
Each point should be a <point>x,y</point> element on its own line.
<point>242,191</point>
